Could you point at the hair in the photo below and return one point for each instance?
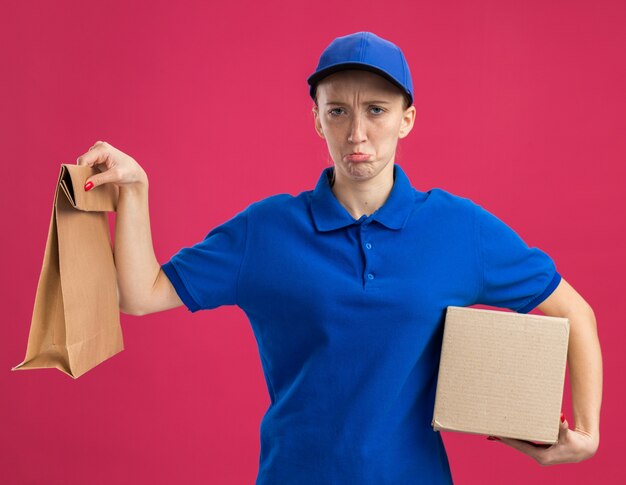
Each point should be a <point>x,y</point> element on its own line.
<point>406,100</point>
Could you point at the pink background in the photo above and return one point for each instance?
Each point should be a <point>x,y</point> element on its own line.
<point>521,107</point>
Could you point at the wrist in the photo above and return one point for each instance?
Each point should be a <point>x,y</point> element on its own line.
<point>138,186</point>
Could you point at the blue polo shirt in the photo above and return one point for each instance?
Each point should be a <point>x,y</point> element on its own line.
<point>348,315</point>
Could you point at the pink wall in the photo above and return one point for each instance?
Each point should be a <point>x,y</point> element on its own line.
<point>521,107</point>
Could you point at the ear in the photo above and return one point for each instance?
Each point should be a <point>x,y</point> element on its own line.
<point>408,120</point>
<point>318,123</point>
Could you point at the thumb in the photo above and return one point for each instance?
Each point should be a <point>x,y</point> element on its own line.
<point>563,424</point>
<point>98,179</point>
<point>563,428</point>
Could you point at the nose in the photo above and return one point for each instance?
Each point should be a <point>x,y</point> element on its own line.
<point>357,131</point>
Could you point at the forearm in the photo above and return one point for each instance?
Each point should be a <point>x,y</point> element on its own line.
<point>135,261</point>
<point>585,367</point>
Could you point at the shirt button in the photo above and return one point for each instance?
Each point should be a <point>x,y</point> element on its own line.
<point>370,276</point>
<point>368,246</point>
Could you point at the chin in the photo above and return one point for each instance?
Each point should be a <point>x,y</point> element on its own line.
<point>361,170</point>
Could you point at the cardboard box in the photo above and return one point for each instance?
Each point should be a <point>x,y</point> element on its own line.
<point>501,373</point>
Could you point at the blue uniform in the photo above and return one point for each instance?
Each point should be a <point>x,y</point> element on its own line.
<point>348,315</point>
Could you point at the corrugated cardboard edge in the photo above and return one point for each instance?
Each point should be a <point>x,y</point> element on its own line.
<point>437,427</point>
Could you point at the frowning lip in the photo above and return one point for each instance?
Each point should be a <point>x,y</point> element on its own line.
<point>357,157</point>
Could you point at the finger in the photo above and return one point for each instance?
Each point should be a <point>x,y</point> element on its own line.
<point>100,179</point>
<point>563,428</point>
<point>521,445</point>
<point>535,445</point>
<point>96,154</point>
<point>540,446</point>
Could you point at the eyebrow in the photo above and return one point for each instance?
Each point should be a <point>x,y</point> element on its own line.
<point>364,102</point>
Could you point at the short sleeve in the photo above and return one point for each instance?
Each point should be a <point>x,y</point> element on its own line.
<point>514,275</point>
<point>205,275</point>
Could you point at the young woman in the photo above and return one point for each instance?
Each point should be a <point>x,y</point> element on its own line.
<point>346,287</point>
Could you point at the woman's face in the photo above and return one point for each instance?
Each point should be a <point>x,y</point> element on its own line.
<point>359,111</point>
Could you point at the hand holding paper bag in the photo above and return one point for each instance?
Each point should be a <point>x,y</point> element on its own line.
<point>117,167</point>
<point>75,324</point>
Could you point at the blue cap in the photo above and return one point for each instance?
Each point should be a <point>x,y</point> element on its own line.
<point>368,52</point>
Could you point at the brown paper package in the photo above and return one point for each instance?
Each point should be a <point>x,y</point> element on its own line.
<point>76,323</point>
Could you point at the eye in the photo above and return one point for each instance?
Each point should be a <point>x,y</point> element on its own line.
<point>333,112</point>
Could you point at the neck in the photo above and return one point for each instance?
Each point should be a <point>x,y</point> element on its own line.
<point>366,196</point>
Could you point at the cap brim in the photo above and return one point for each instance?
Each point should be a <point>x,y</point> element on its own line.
<point>314,78</point>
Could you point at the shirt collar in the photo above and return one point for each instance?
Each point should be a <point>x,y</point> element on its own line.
<point>329,214</point>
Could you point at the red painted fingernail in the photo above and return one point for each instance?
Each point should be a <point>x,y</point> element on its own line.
<point>492,438</point>
<point>88,185</point>
<point>562,418</point>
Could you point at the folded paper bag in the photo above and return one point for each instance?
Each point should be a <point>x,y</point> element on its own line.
<point>75,323</point>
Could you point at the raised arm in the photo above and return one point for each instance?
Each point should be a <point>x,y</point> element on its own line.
<point>143,287</point>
